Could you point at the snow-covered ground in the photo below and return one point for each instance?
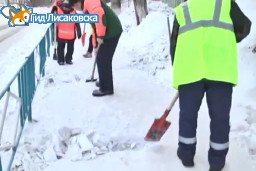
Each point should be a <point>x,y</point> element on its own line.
<point>75,131</point>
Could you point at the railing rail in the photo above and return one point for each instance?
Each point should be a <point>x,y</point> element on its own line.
<point>27,83</point>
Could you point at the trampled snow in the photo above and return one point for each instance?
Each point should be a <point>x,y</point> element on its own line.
<point>72,130</point>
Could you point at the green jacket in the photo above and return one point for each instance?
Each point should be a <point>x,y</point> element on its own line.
<point>111,21</point>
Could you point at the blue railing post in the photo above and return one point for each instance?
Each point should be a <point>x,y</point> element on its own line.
<point>48,42</point>
<point>27,93</point>
<point>52,35</point>
<point>21,95</point>
<point>42,56</point>
<point>33,76</point>
<point>1,168</point>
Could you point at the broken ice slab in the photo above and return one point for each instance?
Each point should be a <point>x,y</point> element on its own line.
<point>100,150</point>
<point>84,143</point>
<point>121,147</point>
<point>64,134</point>
<point>89,155</point>
<point>76,131</point>
<point>74,152</point>
<point>49,154</point>
<point>60,149</point>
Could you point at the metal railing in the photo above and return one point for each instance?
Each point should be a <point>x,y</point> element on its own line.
<point>27,83</point>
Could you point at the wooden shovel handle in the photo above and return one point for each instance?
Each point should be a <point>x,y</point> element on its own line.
<point>172,103</point>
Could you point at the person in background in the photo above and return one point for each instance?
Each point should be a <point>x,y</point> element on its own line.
<point>204,57</point>
<point>90,49</point>
<point>66,33</point>
<point>105,39</point>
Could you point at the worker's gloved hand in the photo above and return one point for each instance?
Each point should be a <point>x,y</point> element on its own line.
<point>54,9</point>
<point>99,41</point>
<point>95,51</point>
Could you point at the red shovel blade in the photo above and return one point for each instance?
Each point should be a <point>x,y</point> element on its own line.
<point>157,129</point>
<point>83,38</point>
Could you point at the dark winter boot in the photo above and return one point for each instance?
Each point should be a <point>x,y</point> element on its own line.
<point>99,93</point>
<point>69,62</point>
<point>87,55</point>
<point>61,63</point>
<point>186,163</point>
<point>216,169</point>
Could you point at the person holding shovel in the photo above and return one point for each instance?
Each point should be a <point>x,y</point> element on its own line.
<point>105,39</point>
<point>204,55</point>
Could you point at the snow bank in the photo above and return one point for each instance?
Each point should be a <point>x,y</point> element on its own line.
<point>244,108</point>
<point>147,45</point>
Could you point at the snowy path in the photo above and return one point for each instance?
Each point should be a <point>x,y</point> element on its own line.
<point>124,117</point>
<point>7,32</point>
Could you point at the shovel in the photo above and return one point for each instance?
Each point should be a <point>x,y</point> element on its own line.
<point>83,37</point>
<point>160,126</point>
<point>92,79</point>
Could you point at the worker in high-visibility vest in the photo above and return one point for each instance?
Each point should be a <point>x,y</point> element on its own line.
<point>66,34</point>
<point>204,55</point>
<point>106,35</point>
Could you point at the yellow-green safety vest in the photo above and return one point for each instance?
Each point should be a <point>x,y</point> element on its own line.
<point>206,45</point>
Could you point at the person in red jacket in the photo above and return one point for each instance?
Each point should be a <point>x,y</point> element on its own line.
<point>66,33</point>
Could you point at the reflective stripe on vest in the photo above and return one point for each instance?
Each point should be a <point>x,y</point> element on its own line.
<point>62,30</point>
<point>205,23</point>
<point>66,31</point>
<point>218,146</point>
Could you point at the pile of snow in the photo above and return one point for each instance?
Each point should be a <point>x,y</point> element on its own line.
<point>151,51</point>
<point>68,143</point>
<point>147,45</point>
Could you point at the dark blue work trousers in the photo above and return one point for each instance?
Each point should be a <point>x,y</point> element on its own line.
<point>218,97</point>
